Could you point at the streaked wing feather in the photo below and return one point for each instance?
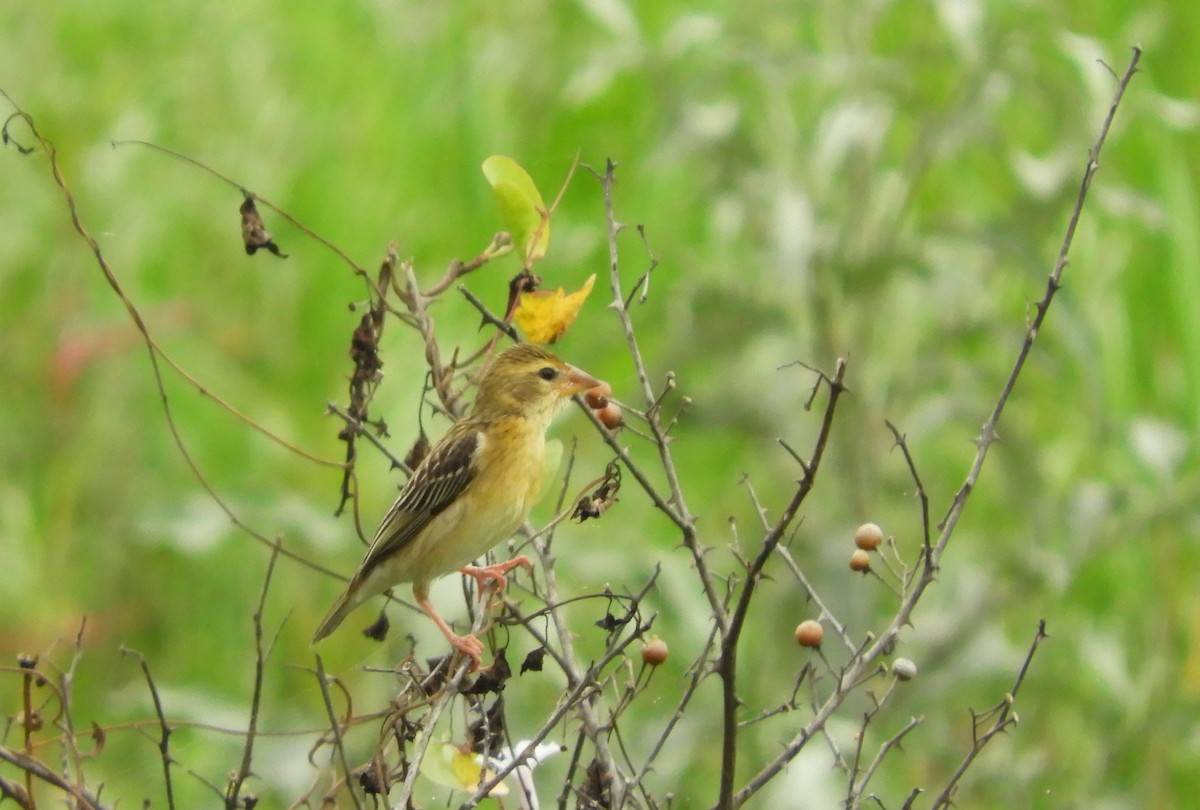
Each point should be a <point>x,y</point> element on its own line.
<point>435,484</point>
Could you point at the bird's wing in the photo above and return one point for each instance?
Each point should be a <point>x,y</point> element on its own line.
<point>436,483</point>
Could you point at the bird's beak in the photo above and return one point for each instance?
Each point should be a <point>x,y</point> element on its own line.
<point>576,380</point>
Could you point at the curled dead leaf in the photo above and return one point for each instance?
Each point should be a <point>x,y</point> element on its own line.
<point>544,316</point>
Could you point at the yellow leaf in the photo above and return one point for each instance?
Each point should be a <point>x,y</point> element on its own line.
<point>544,316</point>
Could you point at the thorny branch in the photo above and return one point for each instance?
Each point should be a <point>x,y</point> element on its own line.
<point>727,663</point>
<point>1002,718</point>
<point>887,640</point>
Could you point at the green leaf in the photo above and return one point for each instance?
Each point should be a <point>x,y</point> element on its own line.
<point>521,208</point>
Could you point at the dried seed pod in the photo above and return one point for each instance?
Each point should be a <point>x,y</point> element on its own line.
<point>254,234</point>
<point>600,500</point>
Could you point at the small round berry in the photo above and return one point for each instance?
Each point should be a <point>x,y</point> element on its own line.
<point>654,651</point>
<point>610,416</point>
<point>904,668</point>
<point>596,398</point>
<point>868,537</point>
<point>860,561</point>
<point>809,633</point>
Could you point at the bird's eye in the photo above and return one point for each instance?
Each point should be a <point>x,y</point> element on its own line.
<point>547,373</point>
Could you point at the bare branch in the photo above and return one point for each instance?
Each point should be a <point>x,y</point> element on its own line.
<point>1002,717</point>
<point>31,766</point>
<point>260,662</point>
<point>164,727</point>
<point>336,727</point>
<point>902,443</point>
<point>727,663</point>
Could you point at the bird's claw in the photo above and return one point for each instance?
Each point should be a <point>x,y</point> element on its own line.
<point>469,646</point>
<point>497,574</point>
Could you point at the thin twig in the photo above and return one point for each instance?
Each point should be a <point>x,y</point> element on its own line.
<point>66,721</point>
<point>32,766</point>
<point>676,508</point>
<point>154,351</point>
<point>884,750</point>
<point>260,662</point>
<point>336,727</point>
<point>164,728</point>
<point>643,283</point>
<point>812,594</point>
<point>1003,717</point>
<point>727,663</point>
<point>902,443</point>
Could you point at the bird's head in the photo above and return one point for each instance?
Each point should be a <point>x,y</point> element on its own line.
<point>528,380</point>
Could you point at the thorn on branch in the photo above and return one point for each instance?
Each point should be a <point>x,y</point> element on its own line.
<point>901,441</point>
<point>643,283</point>
<point>796,456</point>
<point>488,316</point>
<point>836,382</point>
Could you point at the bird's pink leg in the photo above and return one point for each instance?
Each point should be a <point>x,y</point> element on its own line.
<point>468,645</point>
<point>495,574</point>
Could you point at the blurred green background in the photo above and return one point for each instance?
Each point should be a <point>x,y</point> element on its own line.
<point>883,180</point>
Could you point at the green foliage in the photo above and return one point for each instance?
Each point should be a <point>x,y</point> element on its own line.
<point>521,208</point>
<point>884,181</point>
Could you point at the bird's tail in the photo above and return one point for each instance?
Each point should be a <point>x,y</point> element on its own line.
<point>347,602</point>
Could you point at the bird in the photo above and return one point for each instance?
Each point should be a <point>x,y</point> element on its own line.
<point>471,491</point>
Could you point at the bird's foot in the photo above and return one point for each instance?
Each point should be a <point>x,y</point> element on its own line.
<point>495,575</point>
<point>469,646</point>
